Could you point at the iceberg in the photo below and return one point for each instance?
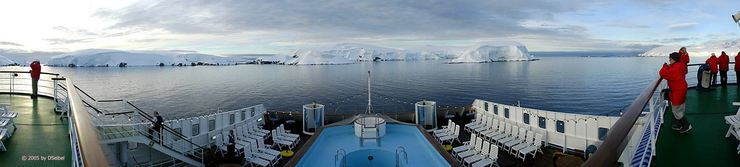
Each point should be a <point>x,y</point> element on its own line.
<point>485,53</point>
<point>314,57</point>
<point>731,47</point>
<point>4,61</point>
<point>106,57</point>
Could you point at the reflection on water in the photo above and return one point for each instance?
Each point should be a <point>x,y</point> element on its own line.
<point>566,84</point>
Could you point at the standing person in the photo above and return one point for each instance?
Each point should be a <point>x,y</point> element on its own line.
<point>156,126</point>
<point>684,57</point>
<point>35,75</point>
<point>737,68</point>
<point>675,75</point>
<point>724,66</point>
<point>712,61</point>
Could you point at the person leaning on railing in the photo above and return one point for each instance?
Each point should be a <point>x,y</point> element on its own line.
<point>724,66</point>
<point>674,74</point>
<point>737,68</point>
<point>712,61</point>
<point>156,126</point>
<point>35,75</point>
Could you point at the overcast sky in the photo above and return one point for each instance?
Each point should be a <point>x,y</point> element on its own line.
<point>275,26</point>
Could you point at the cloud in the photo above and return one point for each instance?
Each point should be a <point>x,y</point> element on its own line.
<point>626,25</point>
<point>344,19</point>
<point>73,31</point>
<point>63,41</point>
<point>682,26</point>
<point>5,43</point>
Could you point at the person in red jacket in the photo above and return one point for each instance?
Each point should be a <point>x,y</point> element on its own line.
<point>684,57</point>
<point>675,75</point>
<point>712,61</point>
<point>737,67</point>
<point>35,75</point>
<point>724,66</point>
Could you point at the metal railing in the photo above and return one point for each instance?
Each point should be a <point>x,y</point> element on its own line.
<point>618,138</point>
<point>340,156</point>
<point>400,150</point>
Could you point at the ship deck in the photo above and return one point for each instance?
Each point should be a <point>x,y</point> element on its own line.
<point>705,144</point>
<point>39,132</point>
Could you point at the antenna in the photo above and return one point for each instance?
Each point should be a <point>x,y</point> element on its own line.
<point>369,99</point>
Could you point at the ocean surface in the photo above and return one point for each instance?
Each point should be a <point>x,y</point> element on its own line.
<point>598,85</point>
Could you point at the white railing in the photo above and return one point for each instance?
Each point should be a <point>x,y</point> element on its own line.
<point>641,148</point>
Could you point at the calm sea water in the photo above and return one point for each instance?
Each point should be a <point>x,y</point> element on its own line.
<point>593,85</point>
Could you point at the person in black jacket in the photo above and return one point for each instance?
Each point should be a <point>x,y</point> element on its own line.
<point>156,125</point>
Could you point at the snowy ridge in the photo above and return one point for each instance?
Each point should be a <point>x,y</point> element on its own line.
<point>4,61</point>
<point>105,57</point>
<point>731,47</point>
<point>507,51</point>
<point>314,57</point>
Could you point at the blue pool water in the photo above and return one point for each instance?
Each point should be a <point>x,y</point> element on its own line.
<point>420,152</point>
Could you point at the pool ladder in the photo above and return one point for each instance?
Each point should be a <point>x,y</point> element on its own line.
<point>340,156</point>
<point>399,150</point>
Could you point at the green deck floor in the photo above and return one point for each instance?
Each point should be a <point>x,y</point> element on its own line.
<point>40,133</point>
<point>705,145</point>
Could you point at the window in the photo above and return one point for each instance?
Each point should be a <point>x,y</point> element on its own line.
<point>602,133</point>
<point>196,129</point>
<point>211,124</point>
<point>495,109</point>
<point>506,112</point>
<point>560,126</point>
<point>542,122</point>
<point>178,130</point>
<point>525,119</point>
<point>485,106</point>
<point>244,115</point>
<point>232,118</point>
<point>252,112</point>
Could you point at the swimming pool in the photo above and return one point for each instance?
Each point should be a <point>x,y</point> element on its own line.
<point>420,152</point>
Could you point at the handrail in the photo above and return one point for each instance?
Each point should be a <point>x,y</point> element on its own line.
<point>618,137</point>
<point>47,73</point>
<point>343,154</point>
<point>401,149</point>
<point>93,152</point>
<point>167,128</point>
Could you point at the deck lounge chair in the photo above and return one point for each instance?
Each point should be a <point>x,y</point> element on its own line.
<point>3,135</point>
<point>471,152</point>
<point>491,159</point>
<point>532,149</point>
<point>483,153</point>
<point>453,137</point>
<point>467,145</point>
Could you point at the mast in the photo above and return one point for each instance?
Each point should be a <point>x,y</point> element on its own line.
<point>369,100</point>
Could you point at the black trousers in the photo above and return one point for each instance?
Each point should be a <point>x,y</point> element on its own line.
<point>723,78</point>
<point>714,80</point>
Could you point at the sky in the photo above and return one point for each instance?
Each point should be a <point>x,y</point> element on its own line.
<point>226,27</point>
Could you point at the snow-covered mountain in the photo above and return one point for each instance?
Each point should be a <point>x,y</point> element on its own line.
<point>106,57</point>
<point>314,57</point>
<point>4,61</point>
<point>507,51</point>
<point>731,47</point>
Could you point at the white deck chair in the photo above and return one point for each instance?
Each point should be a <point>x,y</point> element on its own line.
<point>221,143</point>
<point>478,119</point>
<point>483,123</point>
<point>500,130</point>
<point>528,141</point>
<point>506,133</point>
<point>471,152</point>
<point>733,121</point>
<point>254,160</point>
<point>283,132</point>
<point>483,153</point>
<point>467,145</point>
<point>444,128</point>
<point>491,159</point>
<point>492,128</point>
<point>532,149</point>
<point>281,143</point>
<point>5,113</point>
<point>269,157</point>
<point>514,135</point>
<point>518,139</point>
<point>449,131</point>
<point>284,136</point>
<point>453,137</point>
<point>263,148</point>
<point>3,135</point>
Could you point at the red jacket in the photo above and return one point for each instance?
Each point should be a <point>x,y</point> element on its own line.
<point>712,61</point>
<point>724,62</point>
<point>737,60</point>
<point>35,70</point>
<point>684,57</point>
<point>675,76</point>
